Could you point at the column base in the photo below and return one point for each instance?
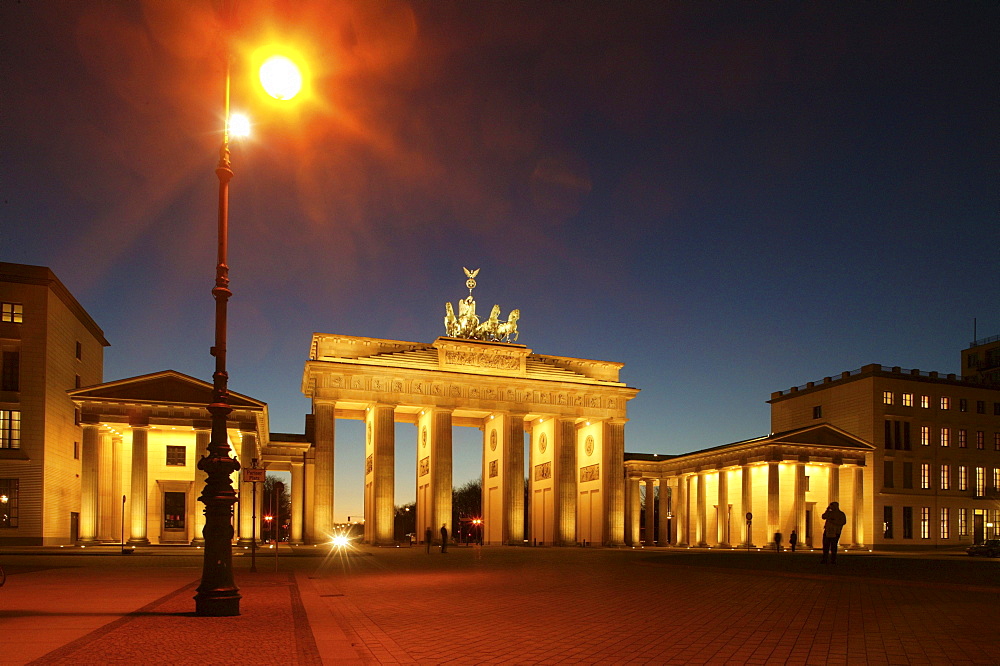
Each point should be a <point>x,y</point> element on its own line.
<point>90,541</point>
<point>722,545</point>
<point>137,541</point>
<point>198,542</point>
<point>246,543</point>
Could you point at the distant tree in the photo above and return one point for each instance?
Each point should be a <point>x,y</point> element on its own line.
<point>467,501</point>
<point>405,521</point>
<point>276,502</point>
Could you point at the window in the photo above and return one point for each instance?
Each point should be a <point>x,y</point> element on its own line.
<point>907,400</point>
<point>963,438</point>
<point>174,510</point>
<point>963,405</point>
<point>907,475</point>
<point>8,503</point>
<point>945,477</point>
<point>963,522</point>
<point>887,474</point>
<point>996,409</point>
<point>945,523</point>
<point>925,522</point>
<point>980,481</point>
<point>177,455</point>
<point>11,380</point>
<point>888,434</point>
<point>963,477</point>
<point>945,402</point>
<point>980,406</point>
<point>12,312</point>
<point>887,522</point>
<point>79,351</point>
<point>996,441</point>
<point>818,412</point>
<point>907,522</point>
<point>886,397</point>
<point>10,429</point>
<point>996,479</point>
<point>925,435</point>
<point>945,437</point>
<point>980,440</point>
<point>906,435</point>
<point>76,450</point>
<point>925,401</point>
<point>925,475</point>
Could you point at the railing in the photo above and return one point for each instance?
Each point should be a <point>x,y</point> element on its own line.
<point>869,368</point>
<point>984,341</point>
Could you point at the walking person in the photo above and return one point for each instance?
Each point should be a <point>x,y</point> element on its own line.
<point>793,539</point>
<point>444,537</point>
<point>427,538</point>
<point>834,525</point>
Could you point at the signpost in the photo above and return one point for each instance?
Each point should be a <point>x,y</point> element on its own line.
<point>254,475</point>
<point>749,522</point>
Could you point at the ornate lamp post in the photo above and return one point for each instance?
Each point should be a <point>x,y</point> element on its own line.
<point>217,594</point>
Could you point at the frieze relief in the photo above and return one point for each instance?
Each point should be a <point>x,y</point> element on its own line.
<point>425,466</point>
<point>590,473</point>
<point>482,359</point>
<point>543,471</point>
<point>397,386</point>
<point>369,465</point>
<point>494,470</point>
<point>357,383</point>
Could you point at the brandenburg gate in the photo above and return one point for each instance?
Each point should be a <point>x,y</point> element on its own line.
<point>574,411</point>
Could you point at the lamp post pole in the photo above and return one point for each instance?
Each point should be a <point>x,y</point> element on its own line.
<point>217,594</point>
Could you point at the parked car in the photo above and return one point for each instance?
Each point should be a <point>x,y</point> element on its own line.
<point>989,548</point>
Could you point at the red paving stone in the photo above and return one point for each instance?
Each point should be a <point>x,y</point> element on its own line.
<point>528,606</point>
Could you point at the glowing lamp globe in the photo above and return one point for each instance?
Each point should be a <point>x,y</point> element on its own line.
<point>280,77</point>
<point>239,125</point>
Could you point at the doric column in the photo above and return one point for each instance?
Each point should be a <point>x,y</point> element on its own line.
<point>613,473</point>
<point>681,511</point>
<point>380,422</point>
<point>513,479</point>
<point>89,463</point>
<point>746,486</point>
<point>309,498</point>
<point>298,495</point>
<point>858,509</point>
<point>722,513</point>
<point>564,434</point>
<point>800,501</point>
<point>833,487</point>
<point>633,511</point>
<point>663,531</point>
<point>702,525</point>
<point>773,498</point>
<point>322,527</point>
<point>248,453</point>
<point>139,484</point>
<point>202,436</point>
<point>650,525</point>
<point>108,503</point>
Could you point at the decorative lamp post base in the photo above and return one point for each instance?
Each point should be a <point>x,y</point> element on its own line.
<point>217,603</point>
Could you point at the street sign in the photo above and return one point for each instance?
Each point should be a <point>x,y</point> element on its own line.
<point>749,516</point>
<point>254,474</point>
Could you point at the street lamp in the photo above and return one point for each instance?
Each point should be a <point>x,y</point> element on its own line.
<point>217,594</point>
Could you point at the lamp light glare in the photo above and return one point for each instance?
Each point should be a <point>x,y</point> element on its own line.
<point>280,77</point>
<point>239,125</point>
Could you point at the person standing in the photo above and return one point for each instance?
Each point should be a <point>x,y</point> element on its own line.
<point>777,542</point>
<point>793,539</point>
<point>444,537</point>
<point>427,538</point>
<point>834,525</point>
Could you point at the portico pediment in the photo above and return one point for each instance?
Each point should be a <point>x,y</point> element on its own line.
<point>166,387</point>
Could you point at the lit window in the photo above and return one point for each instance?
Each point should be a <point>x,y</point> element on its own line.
<point>925,522</point>
<point>945,523</point>
<point>886,397</point>
<point>925,435</point>
<point>963,522</point>
<point>925,475</point>
<point>177,455</point>
<point>980,481</point>
<point>963,405</point>
<point>12,312</point>
<point>963,477</point>
<point>10,429</point>
<point>945,477</point>
<point>996,479</point>
<point>945,402</point>
<point>907,400</point>
<point>963,438</point>
<point>945,437</point>
<point>887,522</point>
<point>8,503</point>
<point>980,440</point>
<point>925,401</point>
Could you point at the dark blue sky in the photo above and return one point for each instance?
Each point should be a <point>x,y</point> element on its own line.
<point>731,199</point>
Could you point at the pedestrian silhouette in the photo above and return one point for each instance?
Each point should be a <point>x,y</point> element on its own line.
<point>777,542</point>
<point>793,539</point>
<point>427,538</point>
<point>444,538</point>
<point>835,521</point>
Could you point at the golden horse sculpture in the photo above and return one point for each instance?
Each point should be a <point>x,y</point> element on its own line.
<point>466,324</point>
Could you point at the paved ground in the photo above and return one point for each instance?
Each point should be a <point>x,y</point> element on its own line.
<point>505,605</point>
